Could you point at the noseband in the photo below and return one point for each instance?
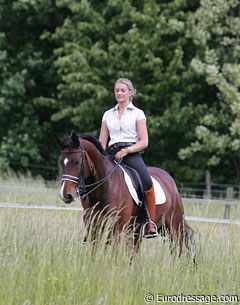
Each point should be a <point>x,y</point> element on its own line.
<point>81,187</point>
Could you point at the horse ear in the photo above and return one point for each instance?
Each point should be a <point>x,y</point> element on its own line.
<point>75,139</point>
<point>58,141</point>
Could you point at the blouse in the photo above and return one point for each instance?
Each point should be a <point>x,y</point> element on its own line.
<point>124,128</point>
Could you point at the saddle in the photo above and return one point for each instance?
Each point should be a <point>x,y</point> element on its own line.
<point>136,182</point>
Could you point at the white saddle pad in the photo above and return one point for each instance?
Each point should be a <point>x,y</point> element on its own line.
<point>159,193</point>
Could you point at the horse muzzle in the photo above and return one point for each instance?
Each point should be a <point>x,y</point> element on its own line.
<point>67,193</point>
<point>68,198</point>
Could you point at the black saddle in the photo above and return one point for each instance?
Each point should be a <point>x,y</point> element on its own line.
<point>137,184</point>
<point>136,181</point>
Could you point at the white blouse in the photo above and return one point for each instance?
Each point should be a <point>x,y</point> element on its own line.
<point>123,129</point>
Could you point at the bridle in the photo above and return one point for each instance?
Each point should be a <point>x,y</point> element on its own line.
<point>81,187</point>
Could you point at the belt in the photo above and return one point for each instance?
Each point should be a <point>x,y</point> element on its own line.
<point>121,144</point>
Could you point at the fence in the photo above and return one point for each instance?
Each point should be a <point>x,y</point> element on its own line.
<point>71,208</point>
<point>228,202</point>
<point>52,189</point>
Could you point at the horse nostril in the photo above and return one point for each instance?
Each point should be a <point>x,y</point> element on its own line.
<point>68,198</point>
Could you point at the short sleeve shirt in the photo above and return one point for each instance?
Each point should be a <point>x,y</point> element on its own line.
<point>123,129</point>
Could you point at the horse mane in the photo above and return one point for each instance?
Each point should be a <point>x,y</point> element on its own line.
<point>68,142</point>
<point>93,140</point>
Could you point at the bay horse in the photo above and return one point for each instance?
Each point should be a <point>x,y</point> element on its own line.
<point>88,173</point>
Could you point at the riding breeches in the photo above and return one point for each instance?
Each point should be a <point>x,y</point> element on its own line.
<point>135,161</point>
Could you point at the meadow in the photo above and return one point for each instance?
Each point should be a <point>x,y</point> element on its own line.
<point>43,262</point>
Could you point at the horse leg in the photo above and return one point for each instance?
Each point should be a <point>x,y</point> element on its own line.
<point>135,232</point>
<point>172,229</point>
<point>137,239</point>
<point>93,220</point>
<point>134,242</point>
<point>180,241</point>
<point>190,241</point>
<point>127,233</point>
<point>86,206</point>
<point>185,237</point>
<point>178,236</point>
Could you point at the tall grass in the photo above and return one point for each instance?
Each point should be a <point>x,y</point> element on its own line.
<point>211,210</point>
<point>18,188</point>
<point>42,261</point>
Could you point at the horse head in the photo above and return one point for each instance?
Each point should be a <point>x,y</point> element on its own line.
<point>75,167</point>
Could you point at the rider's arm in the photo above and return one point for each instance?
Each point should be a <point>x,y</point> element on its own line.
<point>103,137</point>
<point>142,137</point>
<point>141,143</point>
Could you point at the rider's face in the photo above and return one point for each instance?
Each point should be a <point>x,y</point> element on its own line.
<point>122,93</point>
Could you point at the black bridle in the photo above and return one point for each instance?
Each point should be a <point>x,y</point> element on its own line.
<point>82,188</point>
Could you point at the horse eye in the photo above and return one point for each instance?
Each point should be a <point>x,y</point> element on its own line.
<point>76,162</point>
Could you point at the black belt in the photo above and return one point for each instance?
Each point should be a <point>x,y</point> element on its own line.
<point>121,144</point>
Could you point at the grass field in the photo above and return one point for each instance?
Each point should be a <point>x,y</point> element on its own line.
<point>211,210</point>
<point>42,261</point>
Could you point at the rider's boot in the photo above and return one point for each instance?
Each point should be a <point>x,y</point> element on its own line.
<point>150,227</point>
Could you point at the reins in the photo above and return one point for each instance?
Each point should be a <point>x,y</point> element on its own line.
<point>99,182</point>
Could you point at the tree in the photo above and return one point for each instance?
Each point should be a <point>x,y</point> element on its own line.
<point>26,72</point>
<point>215,28</point>
<point>142,40</point>
<point>60,59</point>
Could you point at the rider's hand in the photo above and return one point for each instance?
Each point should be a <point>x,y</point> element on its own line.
<point>121,154</point>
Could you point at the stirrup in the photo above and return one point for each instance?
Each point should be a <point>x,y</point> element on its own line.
<point>150,235</point>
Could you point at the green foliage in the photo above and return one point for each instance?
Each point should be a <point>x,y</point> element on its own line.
<point>215,28</point>
<point>144,42</point>
<point>59,61</point>
<point>26,73</point>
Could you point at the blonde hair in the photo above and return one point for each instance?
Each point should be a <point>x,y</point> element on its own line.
<point>129,84</point>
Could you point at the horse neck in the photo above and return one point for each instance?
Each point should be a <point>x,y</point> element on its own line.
<point>103,168</point>
<point>112,194</point>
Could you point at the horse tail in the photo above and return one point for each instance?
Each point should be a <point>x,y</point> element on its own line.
<point>190,240</point>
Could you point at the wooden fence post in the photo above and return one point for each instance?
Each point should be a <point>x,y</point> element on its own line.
<point>228,206</point>
<point>208,184</point>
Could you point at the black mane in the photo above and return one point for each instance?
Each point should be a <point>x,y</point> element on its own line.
<point>93,140</point>
<point>67,140</point>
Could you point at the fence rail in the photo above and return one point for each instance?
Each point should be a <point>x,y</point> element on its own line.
<point>51,188</point>
<point>211,201</point>
<point>71,208</point>
<point>227,203</point>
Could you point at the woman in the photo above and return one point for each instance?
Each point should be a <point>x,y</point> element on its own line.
<point>125,126</point>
